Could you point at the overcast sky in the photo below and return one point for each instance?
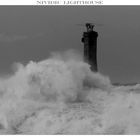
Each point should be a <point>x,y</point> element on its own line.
<point>31,33</point>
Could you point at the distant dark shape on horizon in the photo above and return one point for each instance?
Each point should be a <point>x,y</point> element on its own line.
<point>90,46</point>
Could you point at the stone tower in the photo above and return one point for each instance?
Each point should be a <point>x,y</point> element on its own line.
<point>90,46</point>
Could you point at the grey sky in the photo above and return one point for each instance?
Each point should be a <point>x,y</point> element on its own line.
<point>31,33</point>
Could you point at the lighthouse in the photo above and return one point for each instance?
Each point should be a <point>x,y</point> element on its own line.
<point>90,46</point>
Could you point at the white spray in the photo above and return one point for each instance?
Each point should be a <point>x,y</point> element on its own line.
<point>61,95</point>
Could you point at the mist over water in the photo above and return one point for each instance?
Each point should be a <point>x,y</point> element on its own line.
<point>61,95</point>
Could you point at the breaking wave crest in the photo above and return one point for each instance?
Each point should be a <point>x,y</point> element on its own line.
<point>61,95</point>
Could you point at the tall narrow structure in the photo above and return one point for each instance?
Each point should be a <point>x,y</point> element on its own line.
<point>90,46</point>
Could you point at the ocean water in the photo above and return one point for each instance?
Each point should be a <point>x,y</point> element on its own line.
<point>61,95</point>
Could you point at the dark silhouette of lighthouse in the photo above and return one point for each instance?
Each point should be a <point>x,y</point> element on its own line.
<point>90,46</point>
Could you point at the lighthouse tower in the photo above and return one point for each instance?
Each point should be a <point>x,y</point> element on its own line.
<point>90,46</point>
